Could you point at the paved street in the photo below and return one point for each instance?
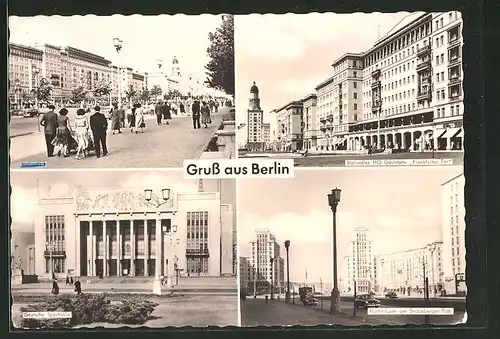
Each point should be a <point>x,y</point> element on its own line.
<point>339,160</point>
<point>158,146</point>
<point>255,312</point>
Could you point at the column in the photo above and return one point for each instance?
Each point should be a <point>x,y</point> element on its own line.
<point>146,248</point>
<point>159,257</point>
<point>78,247</point>
<point>403,140</point>
<point>422,133</point>
<point>105,254</point>
<point>132,249</point>
<point>119,251</point>
<point>91,255</point>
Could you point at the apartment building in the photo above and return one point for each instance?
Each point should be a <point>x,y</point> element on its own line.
<point>23,60</point>
<point>290,129</point>
<point>309,122</point>
<point>264,248</point>
<point>453,214</point>
<point>266,134</point>
<point>359,263</point>
<point>245,273</point>
<point>403,271</point>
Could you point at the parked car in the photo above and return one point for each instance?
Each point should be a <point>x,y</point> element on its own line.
<point>366,301</point>
<point>30,113</point>
<point>391,295</point>
<point>310,300</point>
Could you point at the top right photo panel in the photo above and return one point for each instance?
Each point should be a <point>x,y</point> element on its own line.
<point>379,89</point>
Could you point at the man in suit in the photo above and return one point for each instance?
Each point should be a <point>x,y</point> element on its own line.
<point>158,112</point>
<point>196,109</point>
<point>99,126</point>
<point>49,123</point>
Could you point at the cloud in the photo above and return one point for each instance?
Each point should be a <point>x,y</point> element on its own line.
<point>257,37</point>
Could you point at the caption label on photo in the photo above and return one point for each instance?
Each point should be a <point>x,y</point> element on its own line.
<point>398,162</point>
<point>411,311</point>
<point>47,315</point>
<point>238,168</point>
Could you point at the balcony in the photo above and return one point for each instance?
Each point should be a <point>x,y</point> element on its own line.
<point>424,50</point>
<point>376,84</point>
<point>454,42</point>
<point>424,65</point>
<point>376,73</point>
<point>54,254</point>
<point>454,95</point>
<point>424,96</point>
<point>197,252</point>
<point>330,117</point>
<point>323,128</point>
<point>454,81</point>
<point>455,60</point>
<point>322,120</point>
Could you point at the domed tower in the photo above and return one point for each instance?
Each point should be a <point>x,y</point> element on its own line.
<point>176,71</point>
<point>254,102</point>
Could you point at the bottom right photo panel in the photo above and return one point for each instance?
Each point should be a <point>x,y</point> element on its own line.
<point>353,247</point>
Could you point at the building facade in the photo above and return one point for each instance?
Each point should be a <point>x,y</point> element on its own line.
<point>266,135</point>
<point>403,271</point>
<point>23,251</point>
<point>255,121</point>
<point>453,214</point>
<point>289,126</point>
<point>245,274</point>
<point>118,232</point>
<point>309,122</point>
<point>266,271</point>
<point>23,60</point>
<point>359,263</point>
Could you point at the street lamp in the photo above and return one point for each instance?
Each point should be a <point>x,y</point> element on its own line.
<point>17,83</point>
<point>49,245</point>
<point>165,195</point>
<point>333,201</point>
<point>271,260</point>
<point>382,274</point>
<point>432,248</point>
<point>118,43</point>
<point>287,247</point>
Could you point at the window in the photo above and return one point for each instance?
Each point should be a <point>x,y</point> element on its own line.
<point>355,107</point>
<point>197,242</point>
<point>355,74</point>
<point>355,84</point>
<point>55,244</point>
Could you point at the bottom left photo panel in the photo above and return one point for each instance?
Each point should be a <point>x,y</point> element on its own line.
<point>122,248</point>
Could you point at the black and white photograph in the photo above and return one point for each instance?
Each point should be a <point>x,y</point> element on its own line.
<point>120,91</point>
<point>122,248</point>
<point>353,247</point>
<point>351,87</point>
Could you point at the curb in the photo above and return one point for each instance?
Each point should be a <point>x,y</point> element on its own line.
<point>23,134</point>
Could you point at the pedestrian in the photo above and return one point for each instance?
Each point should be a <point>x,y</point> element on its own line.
<point>78,286</point>
<point>139,118</point>
<point>181,108</point>
<point>196,114</point>
<point>81,128</point>
<point>115,119</point>
<point>166,112</point>
<point>49,123</point>
<point>71,280</point>
<point>63,134</point>
<point>131,118</point>
<point>67,280</point>
<point>99,126</point>
<point>205,114</point>
<point>158,112</point>
<point>55,287</point>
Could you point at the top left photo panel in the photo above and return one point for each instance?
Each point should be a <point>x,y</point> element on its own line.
<point>120,91</point>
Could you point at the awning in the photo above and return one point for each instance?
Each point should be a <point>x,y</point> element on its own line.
<point>440,133</point>
<point>450,133</point>
<point>334,141</point>
<point>341,141</point>
<point>460,133</point>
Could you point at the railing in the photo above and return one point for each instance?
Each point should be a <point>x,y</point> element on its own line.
<point>376,84</point>
<point>454,81</point>
<point>454,42</point>
<point>454,61</point>
<point>423,65</point>
<point>423,50</point>
<point>195,252</point>
<point>424,96</point>
<point>376,73</point>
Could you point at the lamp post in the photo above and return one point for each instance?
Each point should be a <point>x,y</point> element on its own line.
<point>36,71</point>
<point>17,83</point>
<point>382,274</point>
<point>165,195</point>
<point>287,247</point>
<point>333,201</point>
<point>432,248</point>
<point>118,43</point>
<point>271,260</point>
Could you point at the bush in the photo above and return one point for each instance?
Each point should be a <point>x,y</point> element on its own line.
<point>90,308</point>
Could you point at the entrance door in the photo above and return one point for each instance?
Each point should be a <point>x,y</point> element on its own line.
<point>125,267</point>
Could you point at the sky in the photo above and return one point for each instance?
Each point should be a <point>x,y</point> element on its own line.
<point>145,38</point>
<point>61,183</point>
<point>401,208</point>
<point>289,55</point>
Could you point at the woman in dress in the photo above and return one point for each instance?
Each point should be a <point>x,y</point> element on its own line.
<point>115,119</point>
<point>81,127</point>
<point>139,118</point>
<point>63,134</point>
<point>205,114</point>
<point>131,118</point>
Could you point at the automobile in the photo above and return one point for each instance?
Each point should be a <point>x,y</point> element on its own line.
<point>30,113</point>
<point>391,295</point>
<point>366,301</point>
<point>310,300</point>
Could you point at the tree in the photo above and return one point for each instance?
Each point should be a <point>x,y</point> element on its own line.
<point>43,91</point>
<point>145,95</point>
<point>220,68</point>
<point>78,94</point>
<point>102,89</point>
<point>130,93</point>
<point>155,91</point>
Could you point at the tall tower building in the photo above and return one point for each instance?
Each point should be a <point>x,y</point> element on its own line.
<point>255,120</point>
<point>176,71</point>
<point>263,249</point>
<point>360,263</point>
